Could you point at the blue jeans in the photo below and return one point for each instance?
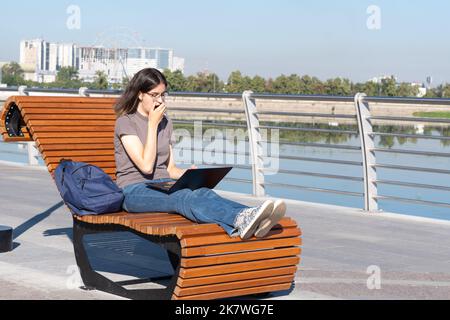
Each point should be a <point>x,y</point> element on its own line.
<point>201,205</point>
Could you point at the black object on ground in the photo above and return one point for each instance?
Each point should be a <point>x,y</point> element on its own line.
<point>6,243</point>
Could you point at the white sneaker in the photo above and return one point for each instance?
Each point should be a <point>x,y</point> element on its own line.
<point>279,210</point>
<point>249,219</point>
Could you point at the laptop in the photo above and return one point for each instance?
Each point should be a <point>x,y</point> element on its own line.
<point>193,179</point>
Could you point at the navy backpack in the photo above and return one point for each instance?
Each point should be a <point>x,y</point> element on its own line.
<point>86,189</point>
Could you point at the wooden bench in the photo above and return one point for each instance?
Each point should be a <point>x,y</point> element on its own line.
<point>208,264</point>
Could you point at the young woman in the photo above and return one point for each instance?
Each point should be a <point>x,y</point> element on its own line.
<point>143,152</point>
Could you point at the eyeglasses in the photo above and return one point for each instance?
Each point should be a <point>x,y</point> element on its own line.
<point>156,96</point>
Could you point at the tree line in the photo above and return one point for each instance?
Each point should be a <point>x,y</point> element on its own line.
<point>67,77</point>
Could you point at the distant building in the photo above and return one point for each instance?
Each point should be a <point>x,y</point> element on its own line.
<point>178,64</point>
<point>381,78</point>
<point>41,60</point>
<point>422,88</point>
<point>109,61</point>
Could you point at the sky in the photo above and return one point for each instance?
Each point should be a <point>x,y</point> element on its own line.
<point>322,38</point>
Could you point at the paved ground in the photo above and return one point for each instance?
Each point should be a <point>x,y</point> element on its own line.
<point>343,249</point>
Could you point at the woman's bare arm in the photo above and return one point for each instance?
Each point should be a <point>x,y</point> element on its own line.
<point>174,171</point>
<point>144,157</point>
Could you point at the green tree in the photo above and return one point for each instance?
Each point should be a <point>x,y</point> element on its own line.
<point>122,85</point>
<point>204,82</point>
<point>287,84</point>
<point>67,77</point>
<point>238,83</point>
<point>338,87</point>
<point>318,87</point>
<point>432,93</point>
<point>371,88</point>
<point>258,84</point>
<point>309,85</point>
<point>101,81</point>
<point>12,74</point>
<point>176,80</point>
<point>357,87</point>
<point>67,74</point>
<point>269,85</point>
<point>407,90</point>
<point>444,90</point>
<point>388,87</point>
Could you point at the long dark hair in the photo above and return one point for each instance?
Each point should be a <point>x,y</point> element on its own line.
<point>143,81</point>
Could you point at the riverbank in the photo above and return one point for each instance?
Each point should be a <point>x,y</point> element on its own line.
<point>179,108</point>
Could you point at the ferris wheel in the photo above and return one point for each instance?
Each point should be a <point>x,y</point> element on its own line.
<point>116,42</point>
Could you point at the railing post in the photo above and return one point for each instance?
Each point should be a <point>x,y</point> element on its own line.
<point>368,155</point>
<point>32,151</point>
<point>33,154</point>
<point>22,90</point>
<point>256,150</point>
<point>83,92</point>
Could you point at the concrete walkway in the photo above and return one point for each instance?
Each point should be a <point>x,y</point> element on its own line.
<point>347,254</point>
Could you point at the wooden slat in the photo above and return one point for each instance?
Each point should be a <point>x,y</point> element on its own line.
<point>26,101</point>
<point>88,159</point>
<point>104,152</point>
<point>62,123</point>
<point>107,167</point>
<point>159,226</point>
<point>131,218</point>
<point>81,128</point>
<point>134,223</point>
<point>68,117</point>
<point>239,257</point>
<point>73,135</point>
<point>236,293</point>
<point>83,159</point>
<point>238,267</point>
<point>241,246</point>
<point>78,146</point>
<point>224,238</point>
<point>92,110</point>
<point>104,218</point>
<point>113,218</point>
<point>47,141</point>
<point>232,285</point>
<point>214,228</point>
<point>165,229</point>
<point>142,225</point>
<point>74,106</point>
<point>256,274</point>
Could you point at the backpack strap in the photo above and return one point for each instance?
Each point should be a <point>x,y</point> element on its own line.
<point>63,168</point>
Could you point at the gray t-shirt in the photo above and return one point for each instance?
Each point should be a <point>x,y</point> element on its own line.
<point>137,124</point>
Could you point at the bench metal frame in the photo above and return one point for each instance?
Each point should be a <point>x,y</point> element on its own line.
<point>94,281</point>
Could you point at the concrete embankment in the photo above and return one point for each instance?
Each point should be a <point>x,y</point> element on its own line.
<point>204,105</point>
